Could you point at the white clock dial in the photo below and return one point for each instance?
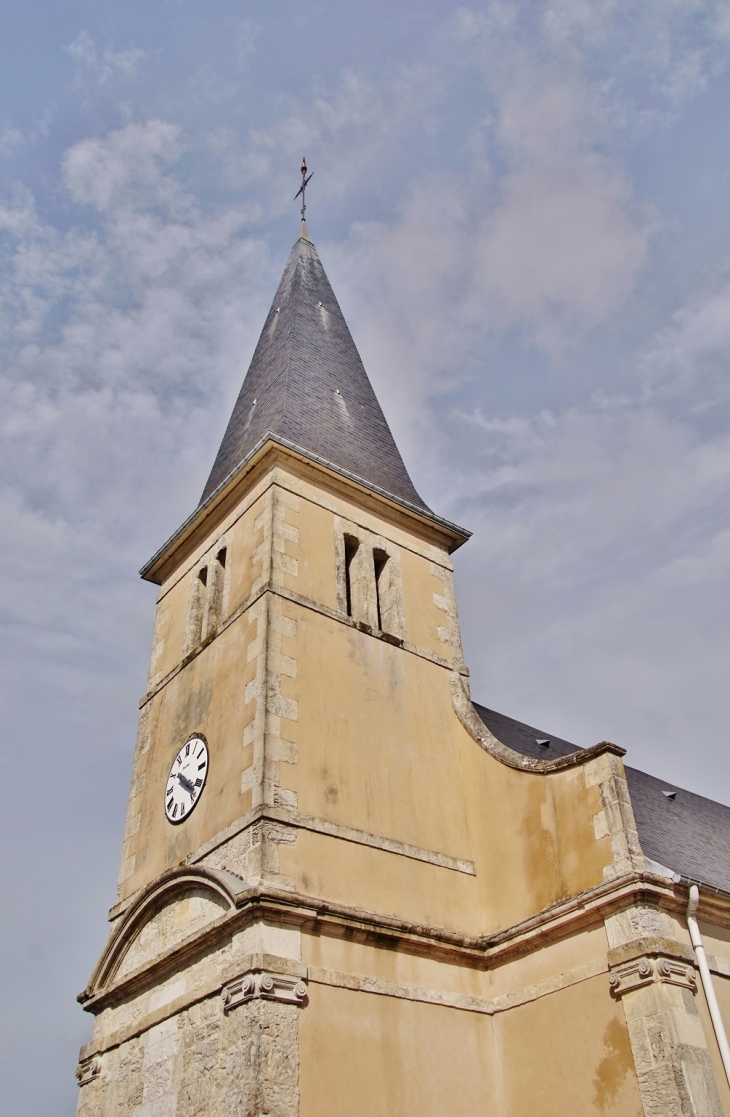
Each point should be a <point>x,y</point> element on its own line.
<point>186,780</point>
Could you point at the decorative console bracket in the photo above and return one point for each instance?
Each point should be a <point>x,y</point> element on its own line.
<point>266,986</point>
<point>643,971</point>
<point>88,1070</point>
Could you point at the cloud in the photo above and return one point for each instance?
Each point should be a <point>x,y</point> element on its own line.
<point>544,237</point>
<point>10,140</point>
<point>119,342</point>
<point>127,167</point>
<point>597,580</point>
<point>563,242</point>
<point>102,64</point>
<point>689,358</point>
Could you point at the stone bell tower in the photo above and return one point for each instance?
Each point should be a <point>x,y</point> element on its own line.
<point>283,608</point>
<point>339,892</point>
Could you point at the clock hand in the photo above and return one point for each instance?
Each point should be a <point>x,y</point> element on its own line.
<point>186,783</point>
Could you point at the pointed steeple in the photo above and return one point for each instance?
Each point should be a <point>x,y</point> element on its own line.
<point>307,385</point>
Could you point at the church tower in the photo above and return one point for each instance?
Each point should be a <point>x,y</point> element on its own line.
<point>340,892</point>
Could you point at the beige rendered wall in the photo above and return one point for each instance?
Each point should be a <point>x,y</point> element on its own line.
<point>206,697</point>
<point>376,797</point>
<point>380,749</point>
<point>368,1056</point>
<point>568,1054</point>
<point>374,740</point>
<point>241,536</point>
<point>565,1055</point>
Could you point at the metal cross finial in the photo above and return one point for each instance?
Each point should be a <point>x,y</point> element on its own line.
<point>303,187</point>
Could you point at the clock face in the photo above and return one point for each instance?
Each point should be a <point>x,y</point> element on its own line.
<point>186,780</point>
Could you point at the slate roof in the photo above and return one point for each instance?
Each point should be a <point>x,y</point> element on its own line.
<point>307,383</point>
<point>687,834</point>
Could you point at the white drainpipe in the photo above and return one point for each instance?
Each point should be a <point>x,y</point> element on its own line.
<point>696,937</point>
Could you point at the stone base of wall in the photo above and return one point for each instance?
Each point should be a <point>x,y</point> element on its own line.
<point>204,1062</point>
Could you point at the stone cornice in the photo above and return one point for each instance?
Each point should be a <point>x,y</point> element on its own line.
<point>273,446</point>
<point>288,816</point>
<point>288,985</point>
<point>480,951</point>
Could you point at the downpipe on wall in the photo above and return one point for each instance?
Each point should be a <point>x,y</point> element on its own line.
<point>706,978</point>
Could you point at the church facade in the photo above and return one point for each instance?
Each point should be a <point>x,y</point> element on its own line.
<point>346,889</point>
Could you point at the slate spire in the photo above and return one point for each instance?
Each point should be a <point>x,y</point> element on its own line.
<point>307,385</point>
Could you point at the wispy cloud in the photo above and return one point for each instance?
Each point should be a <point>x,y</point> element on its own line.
<point>494,241</point>
<point>102,63</point>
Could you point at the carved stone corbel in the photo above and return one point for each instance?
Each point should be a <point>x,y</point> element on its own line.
<point>88,1070</point>
<point>676,973</point>
<point>266,986</point>
<point>643,971</point>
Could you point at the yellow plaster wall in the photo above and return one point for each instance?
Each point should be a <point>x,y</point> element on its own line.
<point>565,1055</point>
<point>380,749</point>
<point>423,617</point>
<point>316,556</point>
<point>379,746</point>
<point>562,961</point>
<point>450,974</point>
<point>241,539</point>
<point>314,552</point>
<point>722,992</point>
<point>376,751</point>
<point>568,1055</point>
<point>169,633</point>
<point>532,835</point>
<point>716,940</point>
<point>244,538</point>
<point>378,881</point>
<point>206,696</point>
<point>562,956</point>
<point>371,1056</point>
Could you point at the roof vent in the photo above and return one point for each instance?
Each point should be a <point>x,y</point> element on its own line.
<point>544,741</point>
<point>670,794</point>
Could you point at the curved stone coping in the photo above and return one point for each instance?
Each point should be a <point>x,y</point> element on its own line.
<point>220,882</point>
<point>476,729</point>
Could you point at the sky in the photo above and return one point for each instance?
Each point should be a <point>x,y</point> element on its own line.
<point>522,208</point>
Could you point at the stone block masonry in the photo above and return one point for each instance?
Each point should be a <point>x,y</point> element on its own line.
<point>204,1062</point>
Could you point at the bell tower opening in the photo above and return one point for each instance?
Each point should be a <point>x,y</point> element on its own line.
<point>352,546</point>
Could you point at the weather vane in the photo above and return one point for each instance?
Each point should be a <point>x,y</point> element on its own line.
<point>303,187</point>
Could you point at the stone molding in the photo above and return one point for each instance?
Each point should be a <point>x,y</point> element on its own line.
<point>476,729</point>
<point>290,977</point>
<point>449,633</point>
<point>363,589</point>
<point>207,990</point>
<point>274,450</point>
<point>643,971</point>
<point>307,603</point>
<point>265,986</point>
<point>88,1070</point>
<point>464,1002</point>
<point>281,477</point>
<point>276,904</point>
<point>279,905</point>
<point>220,883</point>
<point>653,975</point>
